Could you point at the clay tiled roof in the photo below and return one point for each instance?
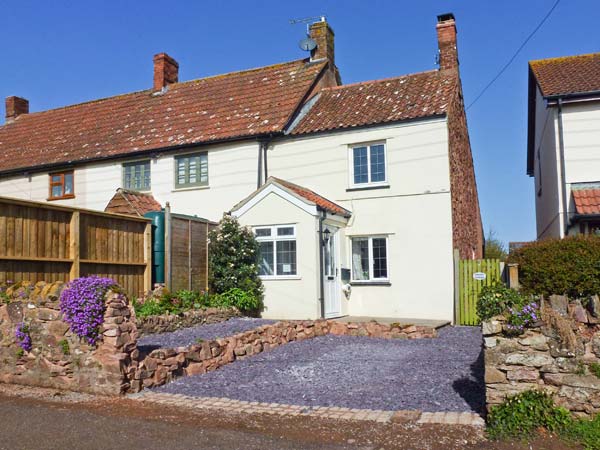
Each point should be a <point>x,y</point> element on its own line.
<point>235,105</point>
<point>567,75</point>
<point>132,203</point>
<point>587,201</point>
<point>374,102</point>
<point>313,197</point>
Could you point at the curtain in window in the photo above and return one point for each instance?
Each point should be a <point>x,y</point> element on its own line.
<point>360,259</point>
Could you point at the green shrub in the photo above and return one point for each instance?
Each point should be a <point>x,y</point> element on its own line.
<point>233,256</point>
<point>191,300</point>
<point>242,300</point>
<point>569,266</point>
<point>595,369</point>
<point>585,432</point>
<point>497,299</point>
<point>522,414</point>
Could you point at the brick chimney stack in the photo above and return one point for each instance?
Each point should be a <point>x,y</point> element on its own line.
<point>15,106</point>
<point>166,71</point>
<point>323,35</point>
<point>446,32</point>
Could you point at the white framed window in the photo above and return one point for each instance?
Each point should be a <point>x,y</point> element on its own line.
<point>277,251</point>
<point>368,165</point>
<point>136,175</point>
<point>370,258</point>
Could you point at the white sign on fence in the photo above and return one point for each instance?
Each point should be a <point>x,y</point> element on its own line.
<point>480,276</point>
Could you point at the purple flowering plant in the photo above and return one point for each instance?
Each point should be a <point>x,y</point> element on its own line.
<point>522,317</point>
<point>82,305</point>
<point>22,336</point>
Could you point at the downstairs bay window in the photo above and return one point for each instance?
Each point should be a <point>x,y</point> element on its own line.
<point>277,251</point>
<point>369,259</point>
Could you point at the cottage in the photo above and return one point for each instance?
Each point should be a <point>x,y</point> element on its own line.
<point>562,147</point>
<point>360,195</point>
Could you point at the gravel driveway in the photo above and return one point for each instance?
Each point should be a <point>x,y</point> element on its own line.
<point>188,336</point>
<point>442,374</point>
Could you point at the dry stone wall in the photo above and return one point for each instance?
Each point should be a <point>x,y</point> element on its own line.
<point>58,358</point>
<point>557,355</point>
<point>172,322</point>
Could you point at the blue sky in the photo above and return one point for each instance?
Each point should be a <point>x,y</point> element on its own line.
<point>58,53</point>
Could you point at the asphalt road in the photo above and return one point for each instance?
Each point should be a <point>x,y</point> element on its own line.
<point>30,424</point>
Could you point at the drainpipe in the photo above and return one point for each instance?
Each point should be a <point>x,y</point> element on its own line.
<point>561,147</point>
<point>321,263</point>
<point>265,148</point>
<point>259,172</point>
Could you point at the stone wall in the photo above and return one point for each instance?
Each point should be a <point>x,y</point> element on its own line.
<point>557,355</point>
<point>163,365</point>
<point>59,359</point>
<point>173,322</point>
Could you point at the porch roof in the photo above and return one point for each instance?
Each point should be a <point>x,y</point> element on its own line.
<point>587,200</point>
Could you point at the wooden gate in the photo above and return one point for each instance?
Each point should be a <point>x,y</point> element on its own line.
<point>472,275</point>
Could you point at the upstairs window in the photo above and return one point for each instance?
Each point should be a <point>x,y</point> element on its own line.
<point>191,170</point>
<point>369,259</point>
<point>61,185</point>
<point>136,176</point>
<point>277,251</point>
<point>368,165</point>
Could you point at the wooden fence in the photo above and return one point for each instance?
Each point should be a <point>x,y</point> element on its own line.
<point>45,242</point>
<point>470,277</point>
<point>186,252</point>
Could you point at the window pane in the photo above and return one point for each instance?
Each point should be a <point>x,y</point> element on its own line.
<point>286,258</point>
<point>360,259</point>
<point>361,169</point>
<point>379,258</point>
<point>146,174</point>
<point>285,231</point>
<point>377,163</point>
<point>68,184</point>
<point>181,162</point>
<point>261,232</point>
<point>203,161</point>
<point>56,191</point>
<point>193,170</point>
<point>56,178</point>
<point>265,258</point>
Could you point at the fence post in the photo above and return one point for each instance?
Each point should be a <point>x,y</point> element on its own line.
<point>148,257</point>
<point>513,276</point>
<point>74,250</point>
<point>168,247</point>
<point>456,287</point>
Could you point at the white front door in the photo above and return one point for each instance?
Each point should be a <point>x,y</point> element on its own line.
<point>332,285</point>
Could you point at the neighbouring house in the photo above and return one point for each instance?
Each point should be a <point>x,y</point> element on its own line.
<point>360,195</point>
<point>563,144</point>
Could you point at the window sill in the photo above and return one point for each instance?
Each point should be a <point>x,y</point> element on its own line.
<point>368,188</point>
<point>191,188</point>
<point>64,197</point>
<point>279,278</point>
<point>370,283</point>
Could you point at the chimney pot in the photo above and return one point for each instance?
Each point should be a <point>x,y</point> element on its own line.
<point>15,106</point>
<point>166,71</point>
<point>323,35</point>
<point>446,32</point>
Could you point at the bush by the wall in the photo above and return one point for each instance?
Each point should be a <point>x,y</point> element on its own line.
<point>569,266</point>
<point>496,300</point>
<point>233,257</point>
<point>242,300</point>
<point>522,414</point>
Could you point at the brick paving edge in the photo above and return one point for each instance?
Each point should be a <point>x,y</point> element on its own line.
<point>329,412</point>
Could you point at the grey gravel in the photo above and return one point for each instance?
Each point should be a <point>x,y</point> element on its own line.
<point>442,374</point>
<point>188,336</point>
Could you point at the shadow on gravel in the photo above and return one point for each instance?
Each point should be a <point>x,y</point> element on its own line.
<point>472,388</point>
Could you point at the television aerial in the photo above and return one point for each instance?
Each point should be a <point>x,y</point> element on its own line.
<point>308,44</point>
